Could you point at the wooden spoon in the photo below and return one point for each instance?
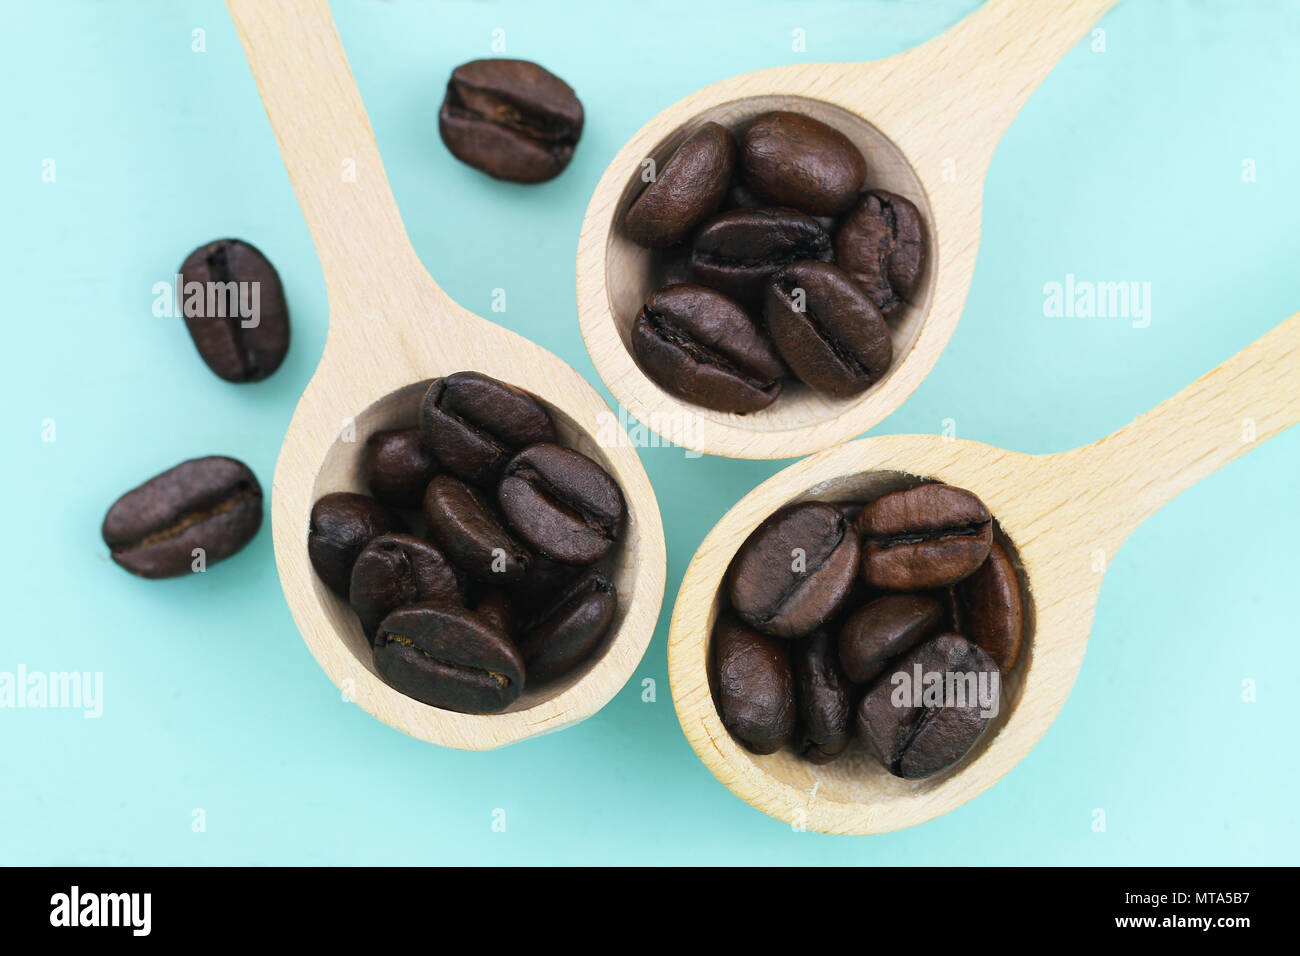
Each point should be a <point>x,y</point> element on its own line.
<point>927,120</point>
<point>391,330</point>
<point>1066,514</point>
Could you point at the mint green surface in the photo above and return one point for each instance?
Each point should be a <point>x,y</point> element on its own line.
<point>1126,165</point>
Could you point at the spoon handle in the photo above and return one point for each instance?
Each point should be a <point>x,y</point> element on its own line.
<point>327,146</point>
<point>1219,417</point>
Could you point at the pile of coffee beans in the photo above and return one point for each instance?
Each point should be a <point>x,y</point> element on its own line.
<point>776,264</point>
<point>836,618</point>
<point>506,580</point>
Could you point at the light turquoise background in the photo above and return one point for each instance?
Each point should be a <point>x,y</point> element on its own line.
<point>1125,165</point>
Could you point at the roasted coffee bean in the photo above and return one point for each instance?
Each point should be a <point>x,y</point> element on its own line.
<point>924,537</point>
<point>399,467</point>
<point>737,251</point>
<point>204,508</point>
<point>544,579</point>
<point>567,633</point>
<point>448,657</point>
<point>703,347</point>
<point>825,697</point>
<point>561,503</point>
<point>691,185</point>
<point>496,608</point>
<point>395,570</point>
<point>755,686</point>
<point>467,527</point>
<point>917,740</point>
<point>473,424</point>
<point>795,571</point>
<point>512,119</point>
<point>827,330</point>
<point>889,626</point>
<point>881,243</point>
<point>342,524</point>
<point>991,611</point>
<point>794,160</point>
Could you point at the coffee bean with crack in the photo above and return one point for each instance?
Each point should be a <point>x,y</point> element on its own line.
<point>561,503</point>
<point>512,119</point>
<point>342,524</point>
<point>825,697</point>
<point>883,629</point>
<point>464,523</point>
<point>399,467</point>
<point>701,346</point>
<point>755,686</point>
<point>991,610</point>
<point>737,251</point>
<point>795,571</point>
<point>234,307</point>
<point>691,185</point>
<point>448,657</point>
<point>395,570</point>
<point>473,424</point>
<point>826,329</point>
<point>925,537</point>
<point>566,634</point>
<point>915,739</point>
<point>204,509</point>
<point>789,159</point>
<point>881,244</point>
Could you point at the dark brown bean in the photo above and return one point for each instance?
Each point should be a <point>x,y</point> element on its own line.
<point>567,633</point>
<point>496,608</point>
<point>827,330</point>
<point>448,657</point>
<point>235,310</point>
<point>737,251</point>
<point>992,615</point>
<point>925,537</point>
<point>395,570</point>
<point>880,631</point>
<point>881,243</point>
<point>794,572</point>
<point>691,185</point>
<point>790,159</point>
<point>825,697</point>
<point>755,686</point>
<point>473,424</point>
<point>561,503</point>
<point>467,527</point>
<point>399,467</point>
<point>342,524</point>
<point>209,505</point>
<point>701,346</point>
<point>512,119</point>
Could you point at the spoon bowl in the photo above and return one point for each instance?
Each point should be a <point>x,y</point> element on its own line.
<point>927,120</point>
<point>1065,515</point>
<point>392,329</point>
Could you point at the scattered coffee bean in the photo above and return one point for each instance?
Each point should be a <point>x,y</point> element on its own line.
<point>512,119</point>
<point>342,524</point>
<point>691,185</point>
<point>561,503</point>
<point>399,467</point>
<point>793,160</point>
<point>473,424</point>
<point>737,251</point>
<point>235,311</point>
<point>923,537</point>
<point>703,347</point>
<point>919,740</point>
<point>825,697</point>
<point>755,686</point>
<point>887,627</point>
<point>827,330</point>
<point>991,610</point>
<point>881,244</point>
<point>190,516</point>
<point>395,570</point>
<point>467,527</point>
<point>795,570</point>
<point>448,657</point>
<point>565,635</point>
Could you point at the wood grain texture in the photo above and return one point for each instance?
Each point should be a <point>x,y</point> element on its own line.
<point>927,120</point>
<point>391,328</point>
<point>1066,514</point>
